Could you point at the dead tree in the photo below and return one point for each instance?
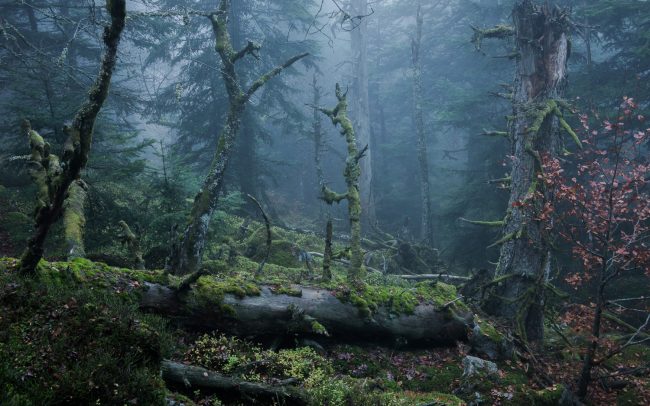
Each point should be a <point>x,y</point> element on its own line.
<point>132,243</point>
<point>187,252</point>
<point>339,117</point>
<point>541,37</point>
<point>427,221</point>
<point>54,184</point>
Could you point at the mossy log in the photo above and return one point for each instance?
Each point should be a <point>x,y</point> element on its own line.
<point>269,315</point>
<point>188,378</point>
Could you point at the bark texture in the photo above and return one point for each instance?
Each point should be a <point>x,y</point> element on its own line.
<point>188,251</point>
<point>77,147</point>
<point>541,35</point>
<point>427,233</point>
<point>272,315</point>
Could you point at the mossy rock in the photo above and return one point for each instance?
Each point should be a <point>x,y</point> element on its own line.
<point>488,342</point>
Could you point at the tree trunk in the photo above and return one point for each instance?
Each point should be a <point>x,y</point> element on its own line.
<point>339,117</point>
<point>427,234</point>
<point>80,136</point>
<point>188,252</point>
<point>541,35</point>
<point>270,315</point>
<point>188,378</point>
<point>360,110</point>
<point>74,219</point>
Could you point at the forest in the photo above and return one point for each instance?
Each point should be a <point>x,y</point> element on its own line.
<point>325,202</point>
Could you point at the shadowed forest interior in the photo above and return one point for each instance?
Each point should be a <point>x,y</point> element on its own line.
<point>324,202</point>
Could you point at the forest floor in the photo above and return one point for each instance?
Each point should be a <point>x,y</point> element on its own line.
<point>76,334</point>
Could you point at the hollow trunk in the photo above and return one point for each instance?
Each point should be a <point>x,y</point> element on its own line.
<point>541,35</point>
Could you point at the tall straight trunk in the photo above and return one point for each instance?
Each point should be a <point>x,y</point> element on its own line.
<point>245,150</point>
<point>187,253</point>
<point>541,36</point>
<point>427,234</point>
<point>359,106</point>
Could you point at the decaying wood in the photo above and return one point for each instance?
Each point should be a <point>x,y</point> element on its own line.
<point>188,378</point>
<point>272,315</point>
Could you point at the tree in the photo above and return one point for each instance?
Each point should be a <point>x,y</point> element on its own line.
<point>603,213</point>
<point>423,156</point>
<point>187,253</point>
<point>352,173</point>
<point>542,43</point>
<point>77,147</point>
<point>360,108</point>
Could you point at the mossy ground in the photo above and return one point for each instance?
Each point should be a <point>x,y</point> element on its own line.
<point>62,342</point>
<point>74,335</point>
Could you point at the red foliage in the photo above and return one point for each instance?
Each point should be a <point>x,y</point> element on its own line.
<point>603,210</point>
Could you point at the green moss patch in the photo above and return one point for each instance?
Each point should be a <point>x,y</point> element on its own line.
<point>62,342</point>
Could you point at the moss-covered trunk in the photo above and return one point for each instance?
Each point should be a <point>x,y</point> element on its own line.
<point>77,146</point>
<point>339,117</point>
<point>74,219</point>
<point>541,35</point>
<point>187,252</point>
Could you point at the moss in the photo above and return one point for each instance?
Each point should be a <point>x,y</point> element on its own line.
<point>61,342</point>
<point>287,290</point>
<point>401,299</point>
<point>544,397</point>
<point>318,328</point>
<point>489,330</point>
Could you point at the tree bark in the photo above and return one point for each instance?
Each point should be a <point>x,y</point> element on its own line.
<point>187,253</point>
<point>188,378</point>
<point>427,233</point>
<point>360,109</point>
<point>270,315</point>
<point>541,35</point>
<point>80,135</point>
<point>74,219</point>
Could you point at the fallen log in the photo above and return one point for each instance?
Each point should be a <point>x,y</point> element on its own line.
<point>428,276</point>
<point>309,312</point>
<point>188,378</point>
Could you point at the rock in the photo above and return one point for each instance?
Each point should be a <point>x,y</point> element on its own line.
<point>486,341</point>
<point>474,366</point>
